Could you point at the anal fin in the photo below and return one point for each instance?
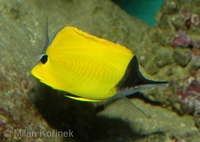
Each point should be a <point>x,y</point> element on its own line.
<point>82,99</point>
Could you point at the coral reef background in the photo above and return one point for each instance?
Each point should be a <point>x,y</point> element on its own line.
<point>167,51</point>
<point>143,9</point>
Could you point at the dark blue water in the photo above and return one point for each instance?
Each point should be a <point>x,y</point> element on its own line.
<point>142,9</point>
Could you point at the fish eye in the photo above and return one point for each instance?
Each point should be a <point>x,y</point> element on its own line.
<point>44,58</point>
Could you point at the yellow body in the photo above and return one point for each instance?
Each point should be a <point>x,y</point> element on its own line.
<point>83,65</point>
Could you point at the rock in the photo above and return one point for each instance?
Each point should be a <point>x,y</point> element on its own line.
<point>182,57</point>
<point>156,137</point>
<point>143,58</point>
<point>163,125</point>
<point>164,59</point>
<point>151,68</point>
<point>197,118</point>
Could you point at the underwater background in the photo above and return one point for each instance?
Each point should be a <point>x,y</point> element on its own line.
<point>166,50</point>
<point>143,9</point>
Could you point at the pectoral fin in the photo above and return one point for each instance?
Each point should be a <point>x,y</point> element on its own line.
<point>125,106</point>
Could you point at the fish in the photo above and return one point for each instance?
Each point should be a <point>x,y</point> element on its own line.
<point>90,68</point>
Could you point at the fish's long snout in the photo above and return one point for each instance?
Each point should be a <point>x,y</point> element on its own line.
<point>159,83</point>
<point>154,84</point>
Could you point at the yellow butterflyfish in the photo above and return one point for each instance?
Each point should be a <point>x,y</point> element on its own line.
<point>90,68</point>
